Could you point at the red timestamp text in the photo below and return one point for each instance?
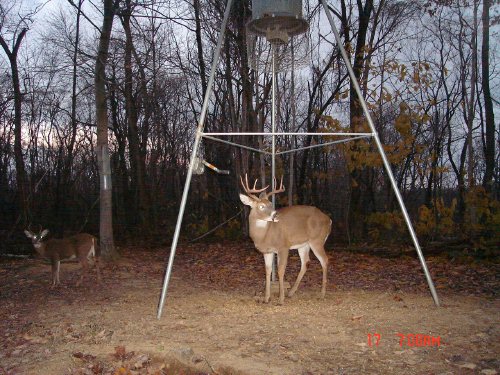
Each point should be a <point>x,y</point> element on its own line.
<point>411,340</point>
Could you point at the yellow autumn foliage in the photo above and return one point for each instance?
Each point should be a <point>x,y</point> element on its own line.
<point>482,216</point>
<point>436,220</point>
<point>387,226</point>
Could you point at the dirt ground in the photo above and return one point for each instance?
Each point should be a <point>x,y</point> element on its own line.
<point>378,316</point>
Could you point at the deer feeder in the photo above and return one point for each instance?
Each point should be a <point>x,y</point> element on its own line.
<point>277,20</point>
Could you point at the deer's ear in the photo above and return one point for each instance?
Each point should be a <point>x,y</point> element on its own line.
<point>247,200</point>
<point>28,234</point>
<point>44,233</point>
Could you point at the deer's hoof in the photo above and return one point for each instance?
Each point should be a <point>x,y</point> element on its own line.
<point>260,299</point>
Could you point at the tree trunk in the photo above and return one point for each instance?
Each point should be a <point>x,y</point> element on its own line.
<point>63,213</point>
<point>106,203</point>
<point>357,117</point>
<point>199,44</point>
<point>22,186</point>
<point>121,175</point>
<point>137,162</point>
<point>472,101</point>
<point>489,152</point>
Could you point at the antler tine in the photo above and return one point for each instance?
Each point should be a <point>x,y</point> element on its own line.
<point>245,188</point>
<point>41,228</point>
<point>281,183</point>
<point>254,186</point>
<point>274,191</point>
<point>249,191</point>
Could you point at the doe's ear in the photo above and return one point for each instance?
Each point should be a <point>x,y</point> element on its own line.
<point>247,200</point>
<point>44,233</point>
<point>28,234</point>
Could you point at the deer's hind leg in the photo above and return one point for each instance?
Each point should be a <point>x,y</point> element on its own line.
<point>94,257</point>
<point>85,268</point>
<point>304,261</point>
<point>98,270</point>
<point>318,249</point>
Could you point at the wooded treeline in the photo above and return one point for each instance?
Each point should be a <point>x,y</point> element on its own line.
<point>426,70</point>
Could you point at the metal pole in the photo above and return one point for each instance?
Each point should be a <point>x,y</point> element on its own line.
<point>320,145</point>
<point>382,154</point>
<point>235,144</point>
<point>196,145</point>
<point>294,117</point>
<point>288,133</point>
<point>273,147</point>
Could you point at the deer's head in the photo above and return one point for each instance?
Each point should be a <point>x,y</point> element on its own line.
<point>36,239</point>
<point>261,206</point>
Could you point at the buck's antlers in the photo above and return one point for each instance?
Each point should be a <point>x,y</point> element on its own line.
<point>253,190</point>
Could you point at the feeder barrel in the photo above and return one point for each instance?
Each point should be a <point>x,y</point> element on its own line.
<point>284,16</point>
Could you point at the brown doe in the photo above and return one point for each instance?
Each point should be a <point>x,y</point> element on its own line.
<point>277,231</point>
<point>81,246</point>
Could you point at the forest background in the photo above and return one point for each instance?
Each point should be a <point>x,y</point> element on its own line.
<point>81,77</point>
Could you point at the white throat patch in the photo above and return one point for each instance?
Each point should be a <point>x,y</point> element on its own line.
<point>261,223</point>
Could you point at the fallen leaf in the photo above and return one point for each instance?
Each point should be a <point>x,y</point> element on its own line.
<point>122,371</point>
<point>121,353</point>
<point>488,371</point>
<point>35,339</point>
<point>141,361</point>
<point>84,357</point>
<point>470,366</point>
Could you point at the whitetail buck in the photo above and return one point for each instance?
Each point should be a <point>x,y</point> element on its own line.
<point>81,246</point>
<point>276,232</point>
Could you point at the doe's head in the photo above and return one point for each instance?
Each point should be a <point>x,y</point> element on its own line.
<point>36,239</point>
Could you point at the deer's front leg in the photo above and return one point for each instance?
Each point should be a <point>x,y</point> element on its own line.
<point>282,261</point>
<point>56,264</point>
<point>268,259</point>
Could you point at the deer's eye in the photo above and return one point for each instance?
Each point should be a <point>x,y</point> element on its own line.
<point>261,207</point>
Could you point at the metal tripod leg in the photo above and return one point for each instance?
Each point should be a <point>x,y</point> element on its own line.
<point>273,145</point>
<point>196,146</point>
<point>382,154</point>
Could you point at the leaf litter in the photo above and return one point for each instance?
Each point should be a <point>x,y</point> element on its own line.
<point>212,323</point>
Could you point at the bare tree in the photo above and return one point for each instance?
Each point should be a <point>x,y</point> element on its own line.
<point>15,35</point>
<point>132,108</point>
<point>106,217</point>
<point>489,148</point>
